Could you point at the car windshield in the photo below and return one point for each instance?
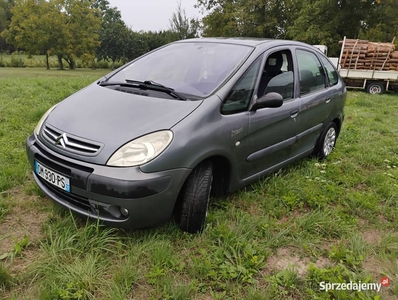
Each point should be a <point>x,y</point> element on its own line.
<point>189,68</point>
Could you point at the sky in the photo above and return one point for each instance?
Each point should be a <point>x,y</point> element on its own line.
<point>152,15</point>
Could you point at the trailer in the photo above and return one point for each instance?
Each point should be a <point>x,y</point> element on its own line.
<point>369,66</point>
<point>374,82</point>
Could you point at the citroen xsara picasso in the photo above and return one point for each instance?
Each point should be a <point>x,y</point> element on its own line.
<point>194,117</point>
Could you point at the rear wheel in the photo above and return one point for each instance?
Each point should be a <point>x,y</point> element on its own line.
<point>194,198</point>
<point>375,88</point>
<point>326,142</point>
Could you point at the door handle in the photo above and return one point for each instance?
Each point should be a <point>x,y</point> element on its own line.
<point>294,113</point>
<point>328,100</point>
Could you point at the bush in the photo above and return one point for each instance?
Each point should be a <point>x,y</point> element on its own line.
<point>102,64</point>
<point>16,62</point>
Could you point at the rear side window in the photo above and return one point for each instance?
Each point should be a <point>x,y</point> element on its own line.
<point>330,71</point>
<point>311,72</point>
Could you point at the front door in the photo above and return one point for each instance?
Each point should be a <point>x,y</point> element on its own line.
<point>272,131</point>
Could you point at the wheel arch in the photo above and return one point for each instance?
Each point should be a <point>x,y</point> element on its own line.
<point>338,123</point>
<point>222,177</point>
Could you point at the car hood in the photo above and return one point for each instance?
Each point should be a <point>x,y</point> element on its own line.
<point>113,118</point>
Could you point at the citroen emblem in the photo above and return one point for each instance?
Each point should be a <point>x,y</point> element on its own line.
<point>62,140</point>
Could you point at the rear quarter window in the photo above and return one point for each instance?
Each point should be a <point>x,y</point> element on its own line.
<point>330,71</point>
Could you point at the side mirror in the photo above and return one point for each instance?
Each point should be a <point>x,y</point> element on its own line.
<point>268,100</point>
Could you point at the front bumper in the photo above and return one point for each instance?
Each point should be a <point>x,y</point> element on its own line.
<point>105,193</point>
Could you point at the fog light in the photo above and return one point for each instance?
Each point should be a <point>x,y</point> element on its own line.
<point>124,211</point>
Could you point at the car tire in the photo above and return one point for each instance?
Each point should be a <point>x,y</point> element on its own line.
<point>375,88</point>
<point>326,141</point>
<point>194,198</point>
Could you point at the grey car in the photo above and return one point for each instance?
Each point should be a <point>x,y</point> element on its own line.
<point>193,118</point>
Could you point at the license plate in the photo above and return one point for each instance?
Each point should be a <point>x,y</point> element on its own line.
<point>52,177</point>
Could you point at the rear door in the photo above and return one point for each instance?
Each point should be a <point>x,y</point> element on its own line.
<point>315,98</point>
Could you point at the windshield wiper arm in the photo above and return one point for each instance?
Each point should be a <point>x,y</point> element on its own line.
<point>149,84</point>
<point>109,83</point>
<point>145,85</point>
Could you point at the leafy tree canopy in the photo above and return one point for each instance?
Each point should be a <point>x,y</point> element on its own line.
<point>5,19</point>
<point>312,21</point>
<point>68,28</point>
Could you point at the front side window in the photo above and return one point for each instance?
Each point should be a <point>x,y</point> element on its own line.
<point>239,98</point>
<point>277,75</point>
<point>189,68</point>
<point>311,73</point>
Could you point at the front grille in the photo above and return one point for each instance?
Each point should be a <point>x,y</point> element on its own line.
<point>59,164</point>
<point>70,143</point>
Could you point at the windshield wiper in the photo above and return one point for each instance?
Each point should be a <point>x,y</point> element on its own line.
<point>145,85</point>
<point>109,83</point>
<point>149,84</point>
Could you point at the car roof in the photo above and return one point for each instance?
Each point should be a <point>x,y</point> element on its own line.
<point>251,42</point>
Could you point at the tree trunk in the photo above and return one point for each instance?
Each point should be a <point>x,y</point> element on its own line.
<point>71,64</point>
<point>61,64</point>
<point>113,64</point>
<point>47,63</point>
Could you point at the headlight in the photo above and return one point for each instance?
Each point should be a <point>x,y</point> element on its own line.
<point>141,150</point>
<point>43,118</point>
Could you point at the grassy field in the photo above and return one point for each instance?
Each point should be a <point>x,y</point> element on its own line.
<point>331,221</point>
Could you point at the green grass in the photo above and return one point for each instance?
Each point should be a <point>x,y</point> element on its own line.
<point>334,221</point>
<point>25,96</point>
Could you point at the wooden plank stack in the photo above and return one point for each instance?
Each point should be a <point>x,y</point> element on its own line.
<point>365,55</point>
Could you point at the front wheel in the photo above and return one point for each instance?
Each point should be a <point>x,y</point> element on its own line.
<point>326,142</point>
<point>194,198</point>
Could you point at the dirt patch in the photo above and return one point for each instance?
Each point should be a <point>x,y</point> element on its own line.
<point>361,187</point>
<point>383,220</point>
<point>362,222</point>
<point>294,214</point>
<point>372,236</point>
<point>285,258</point>
<point>141,290</point>
<point>378,269</point>
<point>372,266</point>
<point>255,210</point>
<point>22,220</point>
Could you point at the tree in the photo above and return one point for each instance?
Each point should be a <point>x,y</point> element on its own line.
<point>326,22</point>
<point>33,25</point>
<point>312,21</point>
<point>68,28</point>
<point>5,19</point>
<point>145,41</point>
<point>181,26</point>
<point>79,36</point>
<point>382,24</point>
<point>137,45</point>
<point>255,18</point>
<point>113,36</point>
